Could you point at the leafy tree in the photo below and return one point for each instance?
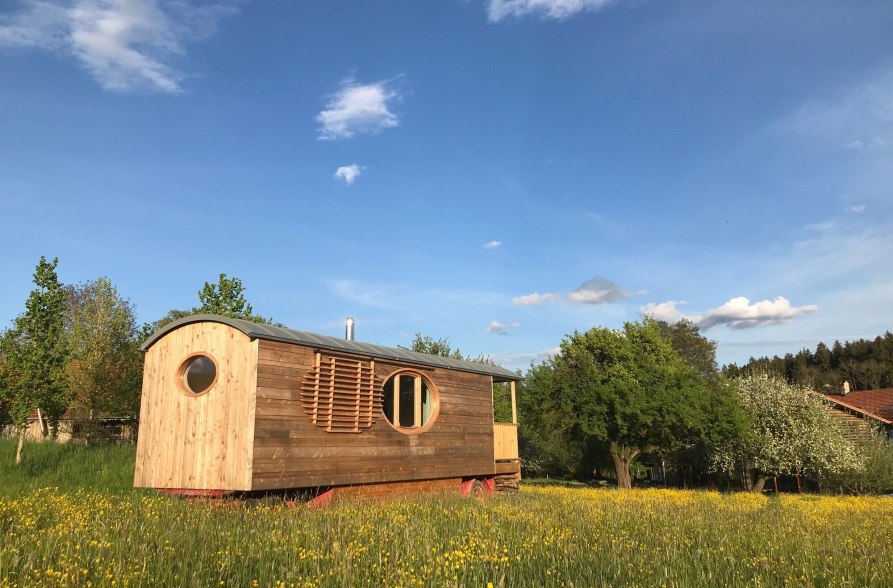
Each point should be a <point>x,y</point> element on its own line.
<point>695,349</point>
<point>36,354</point>
<point>226,298</point>
<point>5,384</point>
<point>630,389</point>
<point>548,442</point>
<point>148,329</point>
<point>790,432</point>
<point>876,477</point>
<point>104,371</point>
<point>440,347</point>
<point>725,420</point>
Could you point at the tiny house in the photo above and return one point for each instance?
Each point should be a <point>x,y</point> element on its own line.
<point>231,406</point>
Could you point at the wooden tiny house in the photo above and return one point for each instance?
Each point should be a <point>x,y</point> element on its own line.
<point>229,405</point>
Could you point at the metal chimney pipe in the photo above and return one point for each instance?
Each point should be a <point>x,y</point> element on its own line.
<point>348,328</point>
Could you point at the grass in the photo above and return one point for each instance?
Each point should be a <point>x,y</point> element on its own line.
<point>67,466</point>
<point>543,536</point>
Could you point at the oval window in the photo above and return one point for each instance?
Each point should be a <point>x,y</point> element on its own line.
<point>410,402</point>
<point>198,373</point>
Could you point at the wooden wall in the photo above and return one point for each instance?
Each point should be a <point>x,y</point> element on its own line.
<point>505,441</point>
<point>198,442</point>
<point>291,452</point>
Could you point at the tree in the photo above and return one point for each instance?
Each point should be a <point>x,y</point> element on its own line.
<point>147,329</point>
<point>876,477</point>
<point>548,442</point>
<point>725,420</point>
<point>695,349</point>
<point>865,364</point>
<point>105,367</point>
<point>790,432</point>
<point>36,355</point>
<point>629,388</point>
<point>440,347</point>
<point>225,298</point>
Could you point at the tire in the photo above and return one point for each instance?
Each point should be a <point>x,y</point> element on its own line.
<point>477,491</point>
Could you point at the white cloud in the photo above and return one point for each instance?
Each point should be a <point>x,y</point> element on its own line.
<point>598,290</point>
<point>862,110</point>
<point>501,328</point>
<point>535,298</point>
<point>737,313</point>
<point>492,244</point>
<point>522,360</point>
<point>858,144</point>
<point>822,226</point>
<point>665,311</point>
<point>498,10</point>
<point>856,209</point>
<point>833,256</point>
<point>358,109</point>
<point>348,173</point>
<point>374,296</point>
<point>126,45</point>
<point>40,25</point>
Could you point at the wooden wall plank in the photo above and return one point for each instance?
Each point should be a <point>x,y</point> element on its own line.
<point>289,451</point>
<point>203,441</point>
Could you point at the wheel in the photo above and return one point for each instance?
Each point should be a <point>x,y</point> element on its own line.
<point>477,491</point>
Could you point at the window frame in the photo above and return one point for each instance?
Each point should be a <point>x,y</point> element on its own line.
<point>184,365</point>
<point>417,401</point>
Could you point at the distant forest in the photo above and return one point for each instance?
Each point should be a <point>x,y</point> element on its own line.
<point>865,364</point>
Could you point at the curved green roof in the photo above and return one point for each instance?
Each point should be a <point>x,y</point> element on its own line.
<point>285,335</point>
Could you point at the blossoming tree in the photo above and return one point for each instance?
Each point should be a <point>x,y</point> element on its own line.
<point>790,431</point>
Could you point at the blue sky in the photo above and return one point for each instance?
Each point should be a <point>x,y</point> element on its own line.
<point>498,172</point>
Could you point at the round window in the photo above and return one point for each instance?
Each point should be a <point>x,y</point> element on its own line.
<point>198,373</point>
<point>410,402</point>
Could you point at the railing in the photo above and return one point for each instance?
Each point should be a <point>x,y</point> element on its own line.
<point>505,441</point>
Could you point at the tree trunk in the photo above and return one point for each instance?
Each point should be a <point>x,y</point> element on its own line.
<point>623,457</point>
<point>21,444</point>
<point>758,484</point>
<point>44,427</point>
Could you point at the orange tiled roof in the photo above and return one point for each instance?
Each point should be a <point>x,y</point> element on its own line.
<point>876,403</point>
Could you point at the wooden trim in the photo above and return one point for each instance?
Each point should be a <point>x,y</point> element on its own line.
<point>395,401</point>
<point>514,405</point>
<point>417,405</point>
<point>417,399</point>
<point>181,372</point>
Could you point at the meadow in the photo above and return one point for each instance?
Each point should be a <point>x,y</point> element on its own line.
<point>65,535</point>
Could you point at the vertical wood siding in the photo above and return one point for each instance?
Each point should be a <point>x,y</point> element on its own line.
<point>198,442</point>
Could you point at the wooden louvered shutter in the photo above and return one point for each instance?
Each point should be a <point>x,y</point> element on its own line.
<point>341,395</point>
